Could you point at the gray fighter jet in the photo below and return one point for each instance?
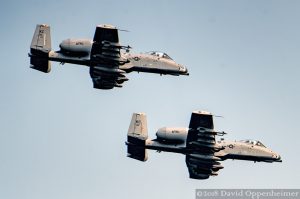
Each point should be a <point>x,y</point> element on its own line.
<point>197,142</point>
<point>107,59</point>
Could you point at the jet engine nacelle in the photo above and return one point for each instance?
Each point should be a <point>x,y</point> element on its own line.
<point>172,134</point>
<point>76,46</point>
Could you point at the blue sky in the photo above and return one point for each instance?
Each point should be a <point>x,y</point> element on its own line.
<point>60,138</point>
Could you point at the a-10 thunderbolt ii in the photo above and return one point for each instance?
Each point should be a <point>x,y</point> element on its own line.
<point>197,142</point>
<point>108,60</point>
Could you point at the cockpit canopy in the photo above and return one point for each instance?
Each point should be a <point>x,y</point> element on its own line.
<point>254,142</point>
<point>159,54</point>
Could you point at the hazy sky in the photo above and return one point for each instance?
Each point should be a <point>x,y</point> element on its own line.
<point>62,139</point>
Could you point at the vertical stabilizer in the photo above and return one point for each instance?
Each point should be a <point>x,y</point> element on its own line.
<point>40,48</point>
<point>137,136</point>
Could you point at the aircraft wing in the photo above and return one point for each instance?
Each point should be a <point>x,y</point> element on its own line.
<point>201,145</point>
<point>106,59</point>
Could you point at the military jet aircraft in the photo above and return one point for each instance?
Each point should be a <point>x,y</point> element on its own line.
<point>107,59</point>
<point>197,142</point>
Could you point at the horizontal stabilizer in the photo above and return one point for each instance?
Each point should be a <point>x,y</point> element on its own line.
<point>40,64</point>
<point>136,152</point>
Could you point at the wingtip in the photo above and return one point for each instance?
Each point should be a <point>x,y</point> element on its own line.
<point>107,26</point>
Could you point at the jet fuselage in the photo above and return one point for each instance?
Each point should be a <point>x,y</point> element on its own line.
<point>78,51</point>
<point>174,140</point>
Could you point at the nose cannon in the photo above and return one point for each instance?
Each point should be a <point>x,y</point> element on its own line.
<point>278,159</point>
<point>183,70</point>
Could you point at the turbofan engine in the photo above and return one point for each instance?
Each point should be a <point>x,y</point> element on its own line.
<point>172,134</point>
<point>76,46</point>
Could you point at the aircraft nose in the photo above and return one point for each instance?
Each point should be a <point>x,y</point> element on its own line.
<point>277,158</point>
<point>184,70</point>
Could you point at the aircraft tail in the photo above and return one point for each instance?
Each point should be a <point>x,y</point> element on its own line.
<point>40,48</point>
<point>137,136</point>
